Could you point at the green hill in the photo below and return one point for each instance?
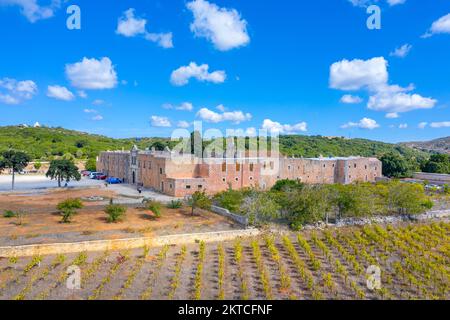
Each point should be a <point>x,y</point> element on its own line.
<point>46,143</point>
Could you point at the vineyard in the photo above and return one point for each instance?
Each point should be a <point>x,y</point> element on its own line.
<point>331,264</point>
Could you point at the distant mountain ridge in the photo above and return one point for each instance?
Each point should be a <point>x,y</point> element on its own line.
<point>440,145</point>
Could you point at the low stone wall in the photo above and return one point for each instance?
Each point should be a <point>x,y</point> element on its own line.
<point>123,244</point>
<point>436,214</point>
<point>233,216</point>
<point>432,177</point>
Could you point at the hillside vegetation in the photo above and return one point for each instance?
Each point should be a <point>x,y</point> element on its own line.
<point>47,143</point>
<point>441,145</point>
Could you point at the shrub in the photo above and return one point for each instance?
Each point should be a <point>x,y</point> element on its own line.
<point>68,207</point>
<point>9,214</point>
<point>231,199</point>
<point>175,204</point>
<point>155,207</point>
<point>199,200</point>
<point>115,212</point>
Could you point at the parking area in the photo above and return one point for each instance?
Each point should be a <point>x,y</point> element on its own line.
<point>38,183</point>
<point>33,182</point>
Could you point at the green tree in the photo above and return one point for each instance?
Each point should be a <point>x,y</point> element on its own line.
<point>438,163</point>
<point>308,205</point>
<point>407,198</point>
<point>63,170</point>
<point>14,160</point>
<point>37,165</point>
<point>394,165</point>
<point>68,208</point>
<point>352,200</point>
<point>158,145</point>
<point>260,207</point>
<point>115,212</point>
<point>199,200</point>
<point>91,164</point>
<point>285,184</point>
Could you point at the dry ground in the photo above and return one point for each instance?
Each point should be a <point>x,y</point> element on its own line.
<point>42,222</point>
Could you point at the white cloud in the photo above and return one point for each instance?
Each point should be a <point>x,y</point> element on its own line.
<point>184,106</point>
<point>250,132</point>
<point>8,99</point>
<point>97,118</point>
<point>395,2</point>
<point>403,126</point>
<point>364,123</point>
<point>90,111</point>
<point>221,107</point>
<point>276,127</point>
<point>215,117</point>
<point>402,51</point>
<point>158,121</point>
<point>92,74</point>
<point>392,115</point>
<point>32,10</point>
<point>373,76</point>
<point>98,102</point>
<point>399,102</point>
<point>183,124</point>
<point>358,74</point>
<point>129,25</point>
<point>181,76</point>
<point>443,124</point>
<point>60,93</point>
<point>350,99</point>
<point>162,39</point>
<point>14,92</point>
<point>223,27</point>
<point>442,25</point>
<point>422,125</point>
<point>82,94</point>
<point>365,3</point>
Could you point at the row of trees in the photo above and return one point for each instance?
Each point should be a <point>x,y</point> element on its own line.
<point>299,204</point>
<point>59,170</point>
<point>397,166</point>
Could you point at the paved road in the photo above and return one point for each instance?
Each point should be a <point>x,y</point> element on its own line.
<point>34,182</point>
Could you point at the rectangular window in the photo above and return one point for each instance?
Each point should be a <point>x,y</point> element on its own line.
<point>238,167</point>
<point>188,186</point>
<point>160,170</point>
<point>224,166</point>
<point>251,166</point>
<point>200,186</point>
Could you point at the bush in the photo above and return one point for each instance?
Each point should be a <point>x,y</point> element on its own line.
<point>231,199</point>
<point>175,204</point>
<point>115,212</point>
<point>9,214</point>
<point>68,208</point>
<point>199,200</point>
<point>155,207</point>
<point>286,184</point>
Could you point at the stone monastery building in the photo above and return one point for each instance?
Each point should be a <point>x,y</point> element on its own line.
<point>182,175</point>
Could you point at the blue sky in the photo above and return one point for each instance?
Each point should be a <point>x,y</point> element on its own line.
<point>284,65</point>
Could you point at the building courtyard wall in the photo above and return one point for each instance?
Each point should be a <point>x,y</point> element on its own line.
<point>158,171</point>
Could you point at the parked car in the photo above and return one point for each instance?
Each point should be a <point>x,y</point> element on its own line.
<point>93,175</point>
<point>85,173</point>
<point>101,176</point>
<point>113,180</point>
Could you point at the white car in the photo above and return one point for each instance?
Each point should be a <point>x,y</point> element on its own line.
<point>92,175</point>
